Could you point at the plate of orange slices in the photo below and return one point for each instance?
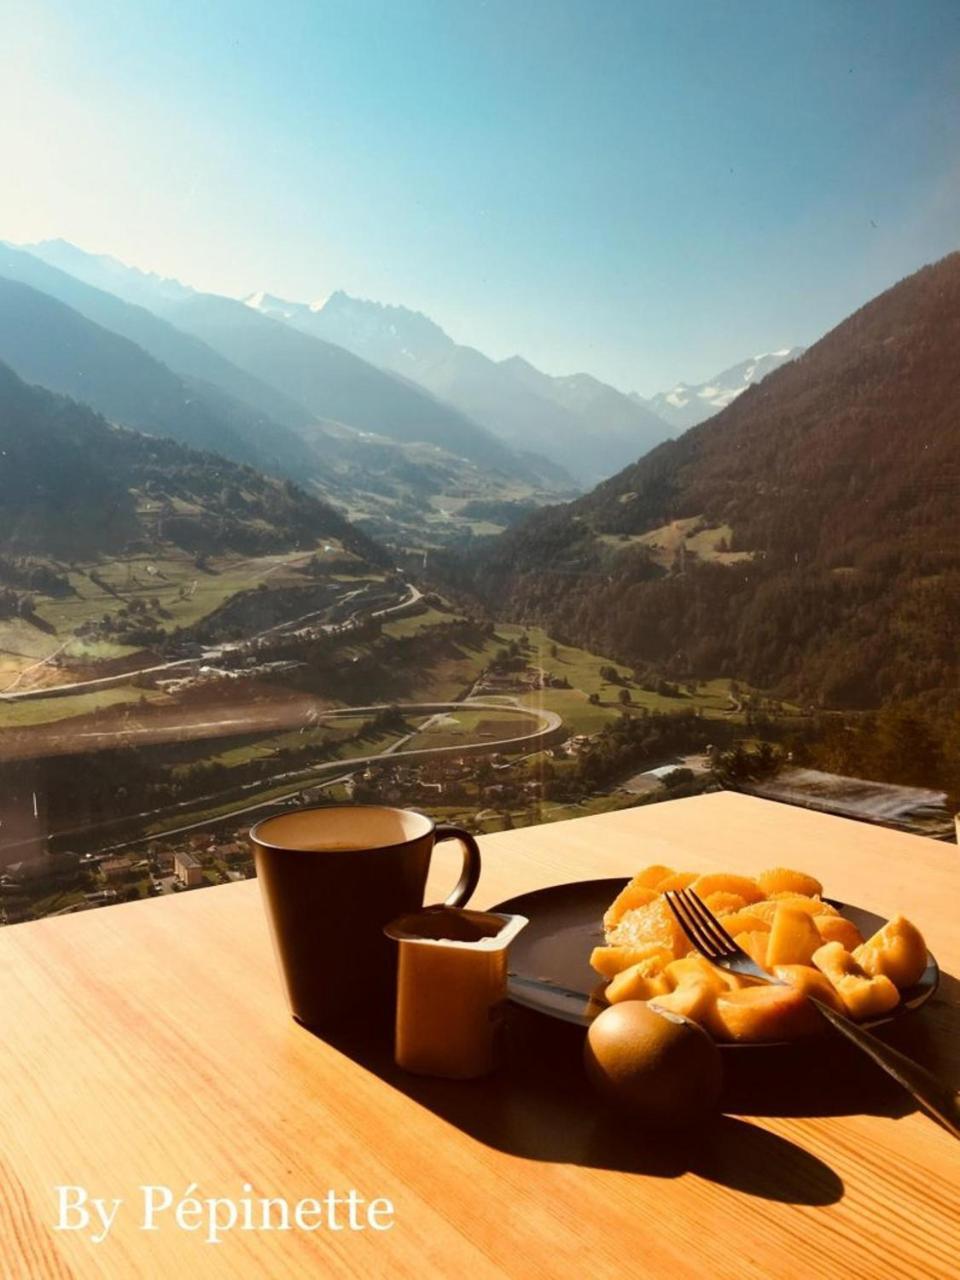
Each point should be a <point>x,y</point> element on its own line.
<point>598,942</point>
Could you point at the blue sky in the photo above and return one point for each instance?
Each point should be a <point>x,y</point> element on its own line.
<point>648,191</point>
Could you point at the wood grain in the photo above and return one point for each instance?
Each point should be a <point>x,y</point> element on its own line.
<point>149,1043</point>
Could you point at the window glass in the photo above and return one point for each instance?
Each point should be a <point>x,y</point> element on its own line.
<point>512,414</point>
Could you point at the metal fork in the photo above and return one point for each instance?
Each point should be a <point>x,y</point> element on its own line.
<point>714,943</point>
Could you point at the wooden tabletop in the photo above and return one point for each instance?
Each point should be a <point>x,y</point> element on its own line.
<point>148,1044</point>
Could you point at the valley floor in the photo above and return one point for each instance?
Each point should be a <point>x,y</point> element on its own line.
<point>278,687</point>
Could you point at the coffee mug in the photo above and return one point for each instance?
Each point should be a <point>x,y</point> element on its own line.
<point>331,878</point>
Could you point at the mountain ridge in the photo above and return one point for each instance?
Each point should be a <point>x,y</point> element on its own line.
<point>331,382</point>
<point>184,354</point>
<point>527,409</point>
<point>49,343</point>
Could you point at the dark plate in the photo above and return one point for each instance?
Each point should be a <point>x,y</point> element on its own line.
<point>550,960</point>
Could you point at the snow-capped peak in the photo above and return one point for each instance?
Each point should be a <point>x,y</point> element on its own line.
<point>686,405</point>
<point>270,305</point>
<point>773,355</point>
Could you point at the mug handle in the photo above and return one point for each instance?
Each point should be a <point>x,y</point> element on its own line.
<point>470,876</point>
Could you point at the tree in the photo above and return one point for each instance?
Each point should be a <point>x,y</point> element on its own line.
<point>625,697</point>
<point>678,777</point>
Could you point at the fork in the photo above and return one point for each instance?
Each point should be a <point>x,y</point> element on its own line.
<point>713,942</point>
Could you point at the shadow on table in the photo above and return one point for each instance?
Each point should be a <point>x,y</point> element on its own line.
<point>539,1107</point>
<point>832,1077</point>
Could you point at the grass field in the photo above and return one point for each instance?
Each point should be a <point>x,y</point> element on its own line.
<point>413,623</point>
<point>30,711</point>
<point>333,734</point>
<point>481,820</point>
<point>663,543</point>
<point>450,677</point>
<point>582,669</point>
<point>580,715</point>
<point>460,727</point>
<point>185,592</point>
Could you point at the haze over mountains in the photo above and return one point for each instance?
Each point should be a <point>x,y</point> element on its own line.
<point>328,382</point>
<point>377,446</point>
<point>292,360</point>
<point>586,426</point>
<point>374,407</point>
<point>806,539</point>
<point>51,344</point>
<point>184,355</point>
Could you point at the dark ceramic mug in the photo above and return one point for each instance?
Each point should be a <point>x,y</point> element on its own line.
<point>331,878</point>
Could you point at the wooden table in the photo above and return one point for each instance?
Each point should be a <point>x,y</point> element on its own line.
<point>149,1044</point>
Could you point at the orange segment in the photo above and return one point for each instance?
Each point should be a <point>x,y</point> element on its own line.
<point>725,882</point>
<point>813,906</point>
<point>609,961</point>
<point>722,902</point>
<point>762,1013</point>
<point>782,880</point>
<point>863,995</point>
<point>695,969</point>
<point>639,982</point>
<point>755,945</point>
<point>810,982</point>
<point>745,921</point>
<point>838,929</point>
<point>693,1000</point>
<point>679,880</point>
<point>793,936</point>
<point>897,950</point>
<point>652,876</point>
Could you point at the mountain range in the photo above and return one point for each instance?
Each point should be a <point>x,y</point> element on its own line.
<point>586,426</point>
<point>377,447</point>
<point>806,539</point>
<point>327,382</point>
<point>374,407</point>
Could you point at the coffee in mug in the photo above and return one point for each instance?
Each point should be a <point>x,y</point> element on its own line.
<point>331,879</point>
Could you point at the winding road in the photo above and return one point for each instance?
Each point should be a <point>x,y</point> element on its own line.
<point>548,728</point>
<point>211,654</point>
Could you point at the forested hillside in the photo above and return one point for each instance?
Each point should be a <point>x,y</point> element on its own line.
<point>72,485</point>
<point>807,539</point>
